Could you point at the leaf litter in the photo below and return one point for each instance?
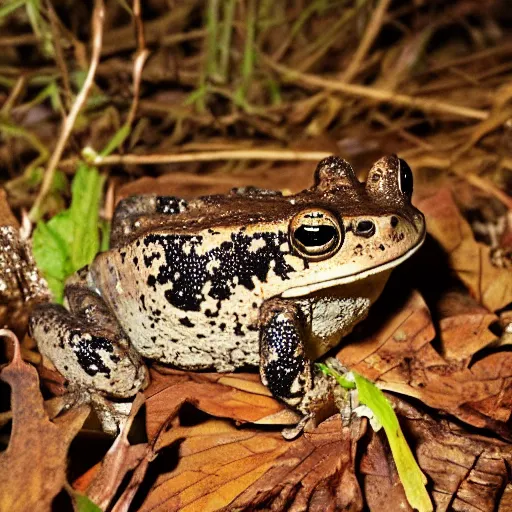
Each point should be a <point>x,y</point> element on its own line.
<point>257,82</point>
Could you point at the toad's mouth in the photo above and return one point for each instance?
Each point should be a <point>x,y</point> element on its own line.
<point>300,291</point>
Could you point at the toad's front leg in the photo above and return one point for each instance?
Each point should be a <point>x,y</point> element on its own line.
<point>88,347</point>
<point>284,366</point>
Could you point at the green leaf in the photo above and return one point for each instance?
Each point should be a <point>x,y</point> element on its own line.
<point>51,248</point>
<point>410,474</point>
<point>70,240</point>
<point>86,194</point>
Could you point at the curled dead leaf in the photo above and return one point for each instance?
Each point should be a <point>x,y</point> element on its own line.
<point>33,467</point>
<point>239,396</point>
<point>471,260</point>
<point>398,356</point>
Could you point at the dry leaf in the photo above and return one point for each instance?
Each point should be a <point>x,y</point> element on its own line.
<point>401,336</point>
<point>491,286</point>
<point>239,396</point>
<point>221,467</point>
<point>399,357</point>
<point>217,462</point>
<point>316,473</point>
<point>467,472</point>
<point>33,467</point>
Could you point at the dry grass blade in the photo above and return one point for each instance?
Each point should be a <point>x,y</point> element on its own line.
<point>383,96</point>
<point>69,121</point>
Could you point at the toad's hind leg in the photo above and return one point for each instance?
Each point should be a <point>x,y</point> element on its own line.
<point>87,345</point>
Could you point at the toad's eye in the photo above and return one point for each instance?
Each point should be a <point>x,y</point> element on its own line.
<point>406,180</point>
<point>316,234</point>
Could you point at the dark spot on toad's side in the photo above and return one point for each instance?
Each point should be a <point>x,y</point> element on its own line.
<point>87,352</point>
<point>114,358</point>
<point>186,322</point>
<point>152,281</point>
<point>143,302</point>
<point>135,260</point>
<point>188,270</point>
<point>201,336</point>
<point>238,329</point>
<point>153,339</point>
<point>123,256</point>
<point>222,326</point>
<point>148,260</point>
<point>210,313</point>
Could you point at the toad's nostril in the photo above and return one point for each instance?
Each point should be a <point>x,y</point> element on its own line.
<point>365,228</point>
<point>394,222</point>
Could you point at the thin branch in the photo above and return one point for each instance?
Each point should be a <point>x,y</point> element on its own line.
<point>140,59</point>
<point>380,95</point>
<point>209,156</point>
<point>59,53</point>
<point>16,92</point>
<point>373,28</point>
<point>98,17</point>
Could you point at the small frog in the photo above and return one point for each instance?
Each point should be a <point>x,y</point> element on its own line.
<point>250,278</point>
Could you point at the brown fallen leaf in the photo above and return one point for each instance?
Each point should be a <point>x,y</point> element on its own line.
<point>221,467</point>
<point>398,356</point>
<point>239,396</point>
<point>33,467</point>
<point>402,334</point>
<point>466,472</point>
<point>216,463</point>
<point>464,326</point>
<point>316,473</point>
<point>490,285</point>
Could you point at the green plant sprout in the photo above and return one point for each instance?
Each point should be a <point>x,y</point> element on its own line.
<point>411,476</point>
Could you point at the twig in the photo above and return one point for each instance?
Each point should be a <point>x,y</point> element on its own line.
<point>19,40</point>
<point>98,17</point>
<point>140,59</point>
<point>369,36</point>
<point>209,156</point>
<point>381,95</point>
<point>59,54</point>
<point>18,88</point>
